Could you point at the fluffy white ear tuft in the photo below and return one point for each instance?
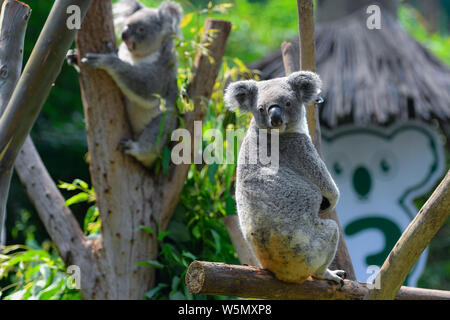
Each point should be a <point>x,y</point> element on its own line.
<point>241,94</point>
<point>172,12</point>
<point>122,10</point>
<point>306,84</point>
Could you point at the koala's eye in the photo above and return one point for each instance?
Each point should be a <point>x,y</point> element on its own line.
<point>141,30</point>
<point>288,104</point>
<point>261,109</point>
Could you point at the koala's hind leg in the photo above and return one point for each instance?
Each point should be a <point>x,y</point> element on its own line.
<point>323,272</point>
<point>152,140</point>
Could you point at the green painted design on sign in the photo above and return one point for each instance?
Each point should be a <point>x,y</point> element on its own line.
<point>389,229</point>
<point>362,181</point>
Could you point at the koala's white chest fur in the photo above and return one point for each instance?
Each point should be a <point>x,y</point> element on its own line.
<point>140,111</point>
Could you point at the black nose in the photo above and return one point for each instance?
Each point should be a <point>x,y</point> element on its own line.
<point>275,116</point>
<point>125,34</point>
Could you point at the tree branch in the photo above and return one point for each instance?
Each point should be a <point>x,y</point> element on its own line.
<point>73,247</point>
<point>413,241</point>
<point>13,24</point>
<point>250,282</point>
<point>34,85</point>
<point>244,251</point>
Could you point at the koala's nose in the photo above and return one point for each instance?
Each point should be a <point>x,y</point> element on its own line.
<point>275,116</point>
<point>125,33</point>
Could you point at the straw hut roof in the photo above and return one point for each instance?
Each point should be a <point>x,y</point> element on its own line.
<point>371,76</point>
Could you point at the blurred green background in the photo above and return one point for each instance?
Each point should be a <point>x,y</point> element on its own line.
<point>196,231</point>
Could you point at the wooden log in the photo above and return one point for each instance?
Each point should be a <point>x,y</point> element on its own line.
<point>13,24</point>
<point>250,282</point>
<point>413,241</point>
<point>244,251</point>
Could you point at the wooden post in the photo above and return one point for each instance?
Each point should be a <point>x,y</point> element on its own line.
<point>307,60</point>
<point>250,282</point>
<point>412,242</point>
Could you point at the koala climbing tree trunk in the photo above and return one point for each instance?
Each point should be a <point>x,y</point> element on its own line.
<point>128,195</point>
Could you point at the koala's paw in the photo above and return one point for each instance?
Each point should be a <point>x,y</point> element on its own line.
<point>97,60</point>
<point>72,58</point>
<point>129,146</point>
<point>337,276</point>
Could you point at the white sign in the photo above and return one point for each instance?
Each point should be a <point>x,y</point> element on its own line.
<point>379,172</point>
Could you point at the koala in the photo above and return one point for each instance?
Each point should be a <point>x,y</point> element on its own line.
<point>145,69</point>
<point>279,208</point>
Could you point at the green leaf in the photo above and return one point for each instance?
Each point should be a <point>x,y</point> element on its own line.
<point>146,229</point>
<point>186,20</point>
<point>189,255</point>
<point>150,294</point>
<point>80,197</point>
<point>166,160</point>
<point>177,296</point>
<point>150,263</point>
<point>216,240</point>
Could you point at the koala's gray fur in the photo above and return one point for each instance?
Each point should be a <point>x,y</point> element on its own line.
<point>145,69</point>
<point>279,208</point>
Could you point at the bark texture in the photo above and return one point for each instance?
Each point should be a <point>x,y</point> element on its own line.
<point>129,195</point>
<point>250,282</point>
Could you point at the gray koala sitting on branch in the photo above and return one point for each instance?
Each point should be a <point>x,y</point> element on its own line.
<point>145,69</point>
<point>279,207</point>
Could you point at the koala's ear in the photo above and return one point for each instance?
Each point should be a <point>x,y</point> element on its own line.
<point>172,13</point>
<point>122,10</point>
<point>306,85</point>
<point>241,94</point>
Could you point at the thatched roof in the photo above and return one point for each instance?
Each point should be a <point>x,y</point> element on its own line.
<point>372,76</point>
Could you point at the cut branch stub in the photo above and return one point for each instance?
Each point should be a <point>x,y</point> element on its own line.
<point>249,282</point>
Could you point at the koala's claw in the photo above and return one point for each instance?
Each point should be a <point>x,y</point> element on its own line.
<point>125,145</point>
<point>337,276</point>
<point>72,58</point>
<point>111,47</point>
<point>92,59</point>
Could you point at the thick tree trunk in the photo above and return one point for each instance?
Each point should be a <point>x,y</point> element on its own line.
<point>249,282</point>
<point>129,195</point>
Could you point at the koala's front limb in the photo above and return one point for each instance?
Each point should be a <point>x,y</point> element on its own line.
<point>312,166</point>
<point>138,82</point>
